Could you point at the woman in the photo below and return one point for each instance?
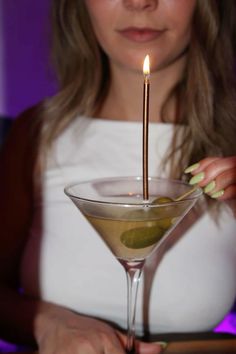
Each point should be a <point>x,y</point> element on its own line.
<point>72,291</point>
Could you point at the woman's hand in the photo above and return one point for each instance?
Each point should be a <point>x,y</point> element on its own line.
<point>60,331</point>
<point>217,177</point>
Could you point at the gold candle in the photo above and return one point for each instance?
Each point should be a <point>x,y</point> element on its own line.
<point>146,88</point>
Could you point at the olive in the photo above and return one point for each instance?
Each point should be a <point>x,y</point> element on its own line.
<point>142,237</point>
<point>166,208</point>
<point>165,223</point>
<point>162,200</point>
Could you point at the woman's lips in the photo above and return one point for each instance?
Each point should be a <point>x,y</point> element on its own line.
<point>140,35</point>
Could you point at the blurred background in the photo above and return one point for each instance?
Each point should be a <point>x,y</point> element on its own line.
<point>25,73</point>
<point>26,76</point>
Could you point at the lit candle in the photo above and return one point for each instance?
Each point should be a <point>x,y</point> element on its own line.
<point>146,87</point>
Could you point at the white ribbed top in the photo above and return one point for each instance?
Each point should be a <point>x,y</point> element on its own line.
<point>66,262</point>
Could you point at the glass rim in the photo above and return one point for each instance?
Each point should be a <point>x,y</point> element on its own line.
<point>195,195</point>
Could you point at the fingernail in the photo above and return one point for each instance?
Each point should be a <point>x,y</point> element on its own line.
<point>209,187</point>
<point>151,346</point>
<point>163,345</point>
<point>217,194</point>
<point>197,178</point>
<point>191,168</point>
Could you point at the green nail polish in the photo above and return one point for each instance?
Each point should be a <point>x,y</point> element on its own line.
<point>191,168</point>
<point>197,178</point>
<point>217,194</point>
<point>163,345</point>
<point>209,187</point>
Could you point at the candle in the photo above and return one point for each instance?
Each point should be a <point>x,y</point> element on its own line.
<point>146,87</point>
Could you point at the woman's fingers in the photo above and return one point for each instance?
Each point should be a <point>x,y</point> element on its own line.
<point>200,166</point>
<point>210,168</point>
<point>68,333</point>
<point>142,347</point>
<point>223,186</point>
<point>229,193</point>
<point>150,348</point>
<point>217,176</point>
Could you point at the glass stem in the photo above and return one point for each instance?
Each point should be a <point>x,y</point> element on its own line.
<point>133,273</point>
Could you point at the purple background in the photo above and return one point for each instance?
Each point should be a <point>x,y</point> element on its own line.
<point>26,76</point>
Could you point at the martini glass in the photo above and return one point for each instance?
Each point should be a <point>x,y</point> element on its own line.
<point>131,227</point>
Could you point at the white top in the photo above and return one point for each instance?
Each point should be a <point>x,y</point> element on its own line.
<point>66,262</point>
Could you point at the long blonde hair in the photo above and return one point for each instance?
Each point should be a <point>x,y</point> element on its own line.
<point>207,90</point>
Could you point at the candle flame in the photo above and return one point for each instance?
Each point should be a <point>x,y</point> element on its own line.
<point>146,66</point>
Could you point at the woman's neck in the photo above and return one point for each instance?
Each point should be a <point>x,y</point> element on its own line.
<point>125,97</point>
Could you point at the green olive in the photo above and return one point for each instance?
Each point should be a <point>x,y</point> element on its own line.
<point>165,223</point>
<point>166,208</point>
<point>162,200</point>
<point>142,237</point>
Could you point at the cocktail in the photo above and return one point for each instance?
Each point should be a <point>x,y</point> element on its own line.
<point>130,226</point>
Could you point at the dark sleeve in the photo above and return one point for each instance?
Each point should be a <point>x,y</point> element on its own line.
<point>17,162</point>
